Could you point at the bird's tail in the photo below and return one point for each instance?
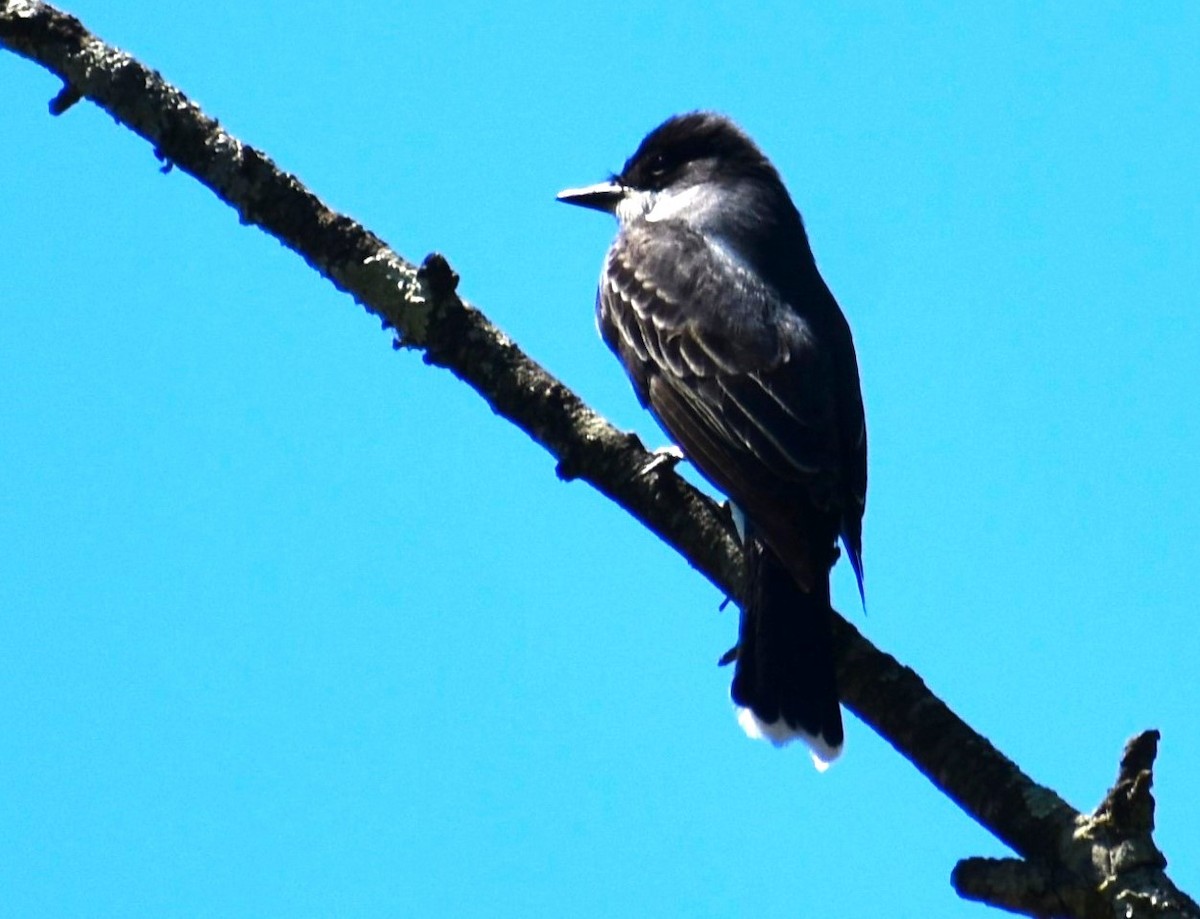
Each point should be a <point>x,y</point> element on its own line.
<point>784,681</point>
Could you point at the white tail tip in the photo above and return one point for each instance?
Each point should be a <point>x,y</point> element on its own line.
<point>781,733</point>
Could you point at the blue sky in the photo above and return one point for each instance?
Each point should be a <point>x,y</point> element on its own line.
<point>291,624</point>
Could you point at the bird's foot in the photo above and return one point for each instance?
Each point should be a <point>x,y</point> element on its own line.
<point>663,458</point>
<point>728,657</point>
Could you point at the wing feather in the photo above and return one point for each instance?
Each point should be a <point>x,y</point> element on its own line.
<point>737,377</point>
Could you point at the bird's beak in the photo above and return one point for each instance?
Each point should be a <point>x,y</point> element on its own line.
<point>603,196</point>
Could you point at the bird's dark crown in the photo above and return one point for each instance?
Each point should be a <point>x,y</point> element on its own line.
<point>696,146</point>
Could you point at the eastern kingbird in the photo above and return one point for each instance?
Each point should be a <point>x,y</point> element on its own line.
<point>712,300</point>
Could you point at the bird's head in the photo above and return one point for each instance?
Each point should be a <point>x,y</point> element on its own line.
<point>683,164</point>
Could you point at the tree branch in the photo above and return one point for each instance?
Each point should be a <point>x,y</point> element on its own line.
<point>423,308</point>
<point>1110,867</point>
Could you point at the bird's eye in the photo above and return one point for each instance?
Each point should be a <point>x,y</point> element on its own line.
<point>658,166</point>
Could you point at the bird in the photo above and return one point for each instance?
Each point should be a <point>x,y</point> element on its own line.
<point>711,298</point>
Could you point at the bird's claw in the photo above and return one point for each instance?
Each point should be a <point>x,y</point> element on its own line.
<point>663,458</point>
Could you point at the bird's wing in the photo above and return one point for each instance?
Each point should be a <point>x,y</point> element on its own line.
<point>735,376</point>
